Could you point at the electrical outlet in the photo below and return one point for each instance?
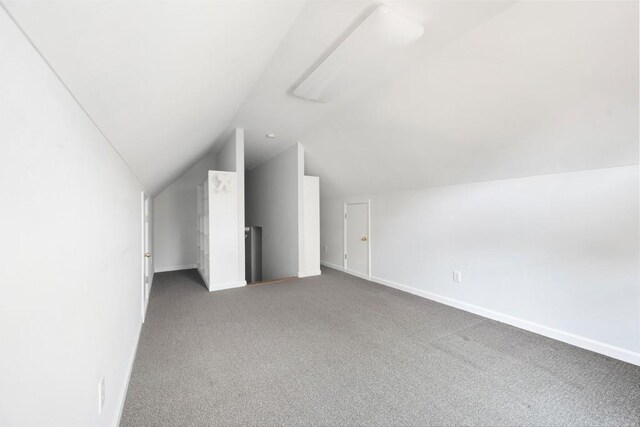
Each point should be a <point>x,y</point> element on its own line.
<point>101,395</point>
<point>457,276</point>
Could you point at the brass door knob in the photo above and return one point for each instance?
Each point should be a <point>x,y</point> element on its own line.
<point>147,254</point>
<point>364,238</point>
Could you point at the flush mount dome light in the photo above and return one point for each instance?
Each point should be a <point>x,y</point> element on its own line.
<point>361,55</point>
<point>270,135</point>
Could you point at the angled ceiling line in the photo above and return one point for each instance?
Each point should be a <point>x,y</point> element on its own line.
<point>84,110</point>
<point>233,121</point>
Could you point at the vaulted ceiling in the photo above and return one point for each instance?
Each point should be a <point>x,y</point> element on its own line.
<point>493,90</point>
<point>542,87</point>
<point>161,79</point>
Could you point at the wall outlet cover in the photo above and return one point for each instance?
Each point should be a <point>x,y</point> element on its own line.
<point>457,276</point>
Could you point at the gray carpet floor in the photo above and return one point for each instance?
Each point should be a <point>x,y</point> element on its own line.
<point>338,350</point>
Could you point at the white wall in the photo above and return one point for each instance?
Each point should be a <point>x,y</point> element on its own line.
<point>311,236</point>
<point>222,237</point>
<point>174,233</point>
<point>231,159</point>
<point>175,219</point>
<point>71,250</point>
<point>273,203</point>
<point>301,208</point>
<point>557,254</point>
<point>175,245</point>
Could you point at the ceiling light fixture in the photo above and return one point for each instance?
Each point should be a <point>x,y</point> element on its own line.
<point>270,136</point>
<point>361,55</point>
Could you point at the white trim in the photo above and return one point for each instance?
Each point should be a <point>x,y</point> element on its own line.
<point>146,297</point>
<point>567,337</point>
<point>135,351</point>
<point>345,270</point>
<point>227,285</point>
<point>309,274</point>
<point>357,274</point>
<point>126,383</point>
<point>143,308</point>
<point>175,268</point>
<point>344,235</point>
<point>345,264</point>
<point>331,265</point>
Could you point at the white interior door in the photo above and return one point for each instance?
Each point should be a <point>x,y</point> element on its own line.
<point>146,254</point>
<point>356,248</point>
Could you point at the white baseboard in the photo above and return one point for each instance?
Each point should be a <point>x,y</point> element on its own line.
<point>126,383</point>
<point>227,285</point>
<point>330,265</point>
<point>135,351</point>
<point>346,270</point>
<point>567,337</point>
<point>146,297</point>
<point>175,268</point>
<point>309,274</point>
<point>357,274</point>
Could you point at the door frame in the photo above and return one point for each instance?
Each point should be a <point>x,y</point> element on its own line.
<point>146,263</point>
<point>344,238</point>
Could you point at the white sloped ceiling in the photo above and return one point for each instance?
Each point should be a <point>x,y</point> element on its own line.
<point>543,87</point>
<point>161,79</point>
<point>493,89</point>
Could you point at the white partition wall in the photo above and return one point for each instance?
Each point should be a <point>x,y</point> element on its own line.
<point>217,241</point>
<point>286,205</point>
<point>203,231</point>
<point>311,221</point>
<point>175,232</point>
<point>230,158</point>
<point>273,204</point>
<point>177,238</point>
